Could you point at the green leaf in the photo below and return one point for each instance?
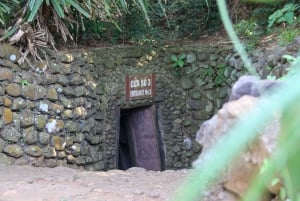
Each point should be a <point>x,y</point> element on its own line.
<point>289,17</point>
<point>275,181</point>
<point>1,21</point>
<point>31,4</point>
<point>5,8</point>
<point>36,5</point>
<point>274,17</point>
<point>107,7</point>
<point>142,5</point>
<point>58,8</point>
<point>9,33</point>
<point>24,82</point>
<point>182,57</point>
<point>79,9</point>
<point>180,63</point>
<point>282,194</point>
<point>64,5</point>
<point>174,58</point>
<point>124,5</point>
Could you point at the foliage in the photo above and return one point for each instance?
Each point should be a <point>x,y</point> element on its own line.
<point>178,63</point>
<point>5,10</point>
<point>68,19</point>
<point>187,19</point>
<point>287,36</point>
<point>134,27</point>
<point>250,30</point>
<point>97,31</point>
<point>60,7</point>
<point>285,14</point>
<point>220,78</point>
<point>246,28</point>
<point>170,20</point>
<point>261,15</point>
<point>25,83</point>
<point>265,17</point>
<point>41,20</point>
<point>283,163</point>
<point>215,74</point>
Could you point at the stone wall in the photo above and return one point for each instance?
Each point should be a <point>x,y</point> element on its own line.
<point>64,111</point>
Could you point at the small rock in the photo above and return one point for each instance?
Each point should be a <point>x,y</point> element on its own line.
<point>190,58</point>
<point>27,118</point>
<point>58,143</point>
<point>71,159</point>
<point>66,58</point>
<point>67,114</point>
<point>44,138</point>
<point>63,80</point>
<point>40,121</point>
<point>18,104</point>
<point>5,160</point>
<point>51,163</point>
<point>7,115</point>
<point>52,94</point>
<point>5,74</point>
<point>202,57</point>
<point>80,112</point>
<point>43,107</point>
<point>34,151</point>
<point>33,92</point>
<point>9,52</point>
<point>57,108</point>
<point>13,150</point>
<point>76,79</point>
<point>49,152</point>
<point>71,126</point>
<point>13,89</point>
<point>51,126</point>
<point>30,135</point>
<point>10,134</point>
<point>187,83</point>
<point>75,149</point>
<point>194,104</point>
<point>154,194</point>
<point>61,154</point>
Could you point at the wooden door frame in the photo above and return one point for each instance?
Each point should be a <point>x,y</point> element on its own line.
<point>157,126</point>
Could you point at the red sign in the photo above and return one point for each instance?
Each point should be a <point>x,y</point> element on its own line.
<point>140,86</point>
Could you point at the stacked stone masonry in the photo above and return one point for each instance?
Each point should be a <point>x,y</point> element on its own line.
<point>63,111</point>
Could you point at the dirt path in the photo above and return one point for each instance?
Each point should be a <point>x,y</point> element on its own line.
<point>25,183</point>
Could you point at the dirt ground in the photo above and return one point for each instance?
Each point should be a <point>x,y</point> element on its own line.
<point>27,183</point>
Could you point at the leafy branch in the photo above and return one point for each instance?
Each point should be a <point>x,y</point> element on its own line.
<point>286,14</point>
<point>178,61</point>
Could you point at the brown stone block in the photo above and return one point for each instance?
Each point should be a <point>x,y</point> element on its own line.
<point>5,74</point>
<point>7,115</point>
<point>58,143</point>
<point>52,94</point>
<point>7,102</point>
<point>13,89</point>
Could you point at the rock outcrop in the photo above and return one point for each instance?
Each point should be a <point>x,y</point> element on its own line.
<point>236,178</point>
<point>252,86</point>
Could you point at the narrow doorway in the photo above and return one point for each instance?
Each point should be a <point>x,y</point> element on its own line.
<point>139,141</point>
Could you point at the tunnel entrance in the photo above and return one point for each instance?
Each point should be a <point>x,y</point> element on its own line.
<point>139,141</point>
